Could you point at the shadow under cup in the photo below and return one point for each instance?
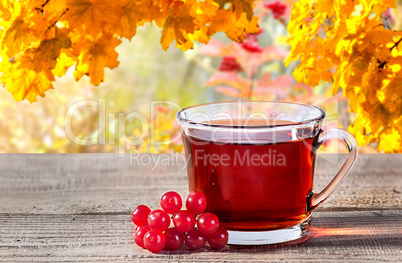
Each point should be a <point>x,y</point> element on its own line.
<point>254,161</point>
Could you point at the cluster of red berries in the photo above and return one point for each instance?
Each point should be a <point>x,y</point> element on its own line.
<point>230,63</point>
<point>251,46</point>
<point>278,8</point>
<point>154,234</point>
<point>251,42</point>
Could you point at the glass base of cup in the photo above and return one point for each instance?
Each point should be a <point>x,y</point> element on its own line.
<point>292,234</point>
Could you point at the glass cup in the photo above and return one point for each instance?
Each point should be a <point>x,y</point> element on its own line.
<point>254,161</point>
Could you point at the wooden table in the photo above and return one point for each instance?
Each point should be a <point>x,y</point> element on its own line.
<point>76,207</point>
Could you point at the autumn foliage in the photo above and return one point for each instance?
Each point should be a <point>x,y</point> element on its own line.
<point>351,44</point>
<point>41,39</point>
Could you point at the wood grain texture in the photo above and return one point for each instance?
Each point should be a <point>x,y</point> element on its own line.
<point>75,208</point>
<point>105,183</point>
<point>368,236</point>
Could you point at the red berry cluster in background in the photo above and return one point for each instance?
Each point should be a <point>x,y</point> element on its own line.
<point>278,8</point>
<point>230,63</point>
<point>251,42</point>
<point>154,233</point>
<point>251,46</point>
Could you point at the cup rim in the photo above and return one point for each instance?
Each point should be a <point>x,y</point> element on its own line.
<point>182,120</point>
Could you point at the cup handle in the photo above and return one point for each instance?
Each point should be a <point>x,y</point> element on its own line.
<point>317,199</point>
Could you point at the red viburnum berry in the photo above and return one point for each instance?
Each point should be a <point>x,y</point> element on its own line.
<point>158,219</point>
<point>208,223</point>
<point>154,240</point>
<point>278,8</point>
<point>196,202</point>
<point>251,46</point>
<point>174,239</point>
<point>230,64</point>
<point>140,233</point>
<point>219,239</point>
<point>184,221</point>
<point>171,202</point>
<point>140,214</point>
<point>195,239</point>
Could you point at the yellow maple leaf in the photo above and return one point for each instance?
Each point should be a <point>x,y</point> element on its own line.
<point>135,12</point>
<point>325,7</point>
<point>93,16</point>
<point>5,10</point>
<point>393,97</point>
<point>234,28</point>
<point>45,55</point>
<point>54,10</point>
<point>179,24</point>
<point>64,62</point>
<point>95,55</point>
<point>34,66</point>
<point>239,7</point>
<point>24,83</point>
<point>17,37</point>
<point>390,141</point>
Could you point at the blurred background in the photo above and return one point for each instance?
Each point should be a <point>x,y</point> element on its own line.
<point>220,71</point>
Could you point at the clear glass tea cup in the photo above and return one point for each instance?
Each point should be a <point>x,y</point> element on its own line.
<point>255,162</point>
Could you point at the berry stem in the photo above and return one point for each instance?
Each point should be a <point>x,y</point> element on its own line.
<point>251,85</point>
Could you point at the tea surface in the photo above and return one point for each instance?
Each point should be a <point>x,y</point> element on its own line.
<point>251,122</point>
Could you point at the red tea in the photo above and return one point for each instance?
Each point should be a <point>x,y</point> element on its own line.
<point>257,185</point>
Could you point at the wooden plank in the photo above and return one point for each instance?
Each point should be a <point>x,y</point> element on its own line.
<point>105,183</point>
<point>366,236</point>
